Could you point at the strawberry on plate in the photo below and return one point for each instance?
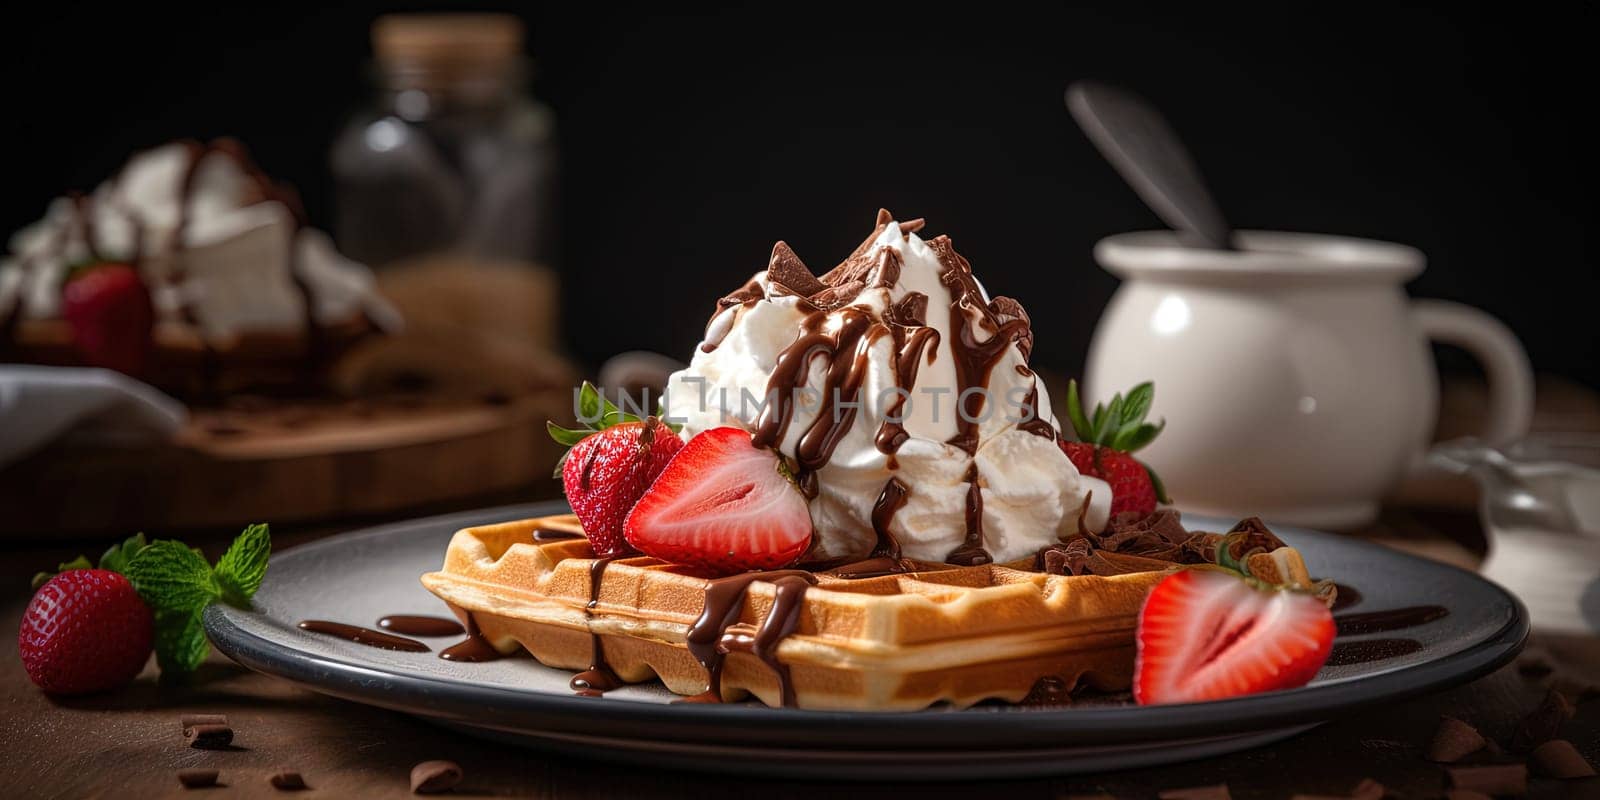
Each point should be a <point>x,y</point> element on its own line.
<point>610,466</point>
<point>1206,634</point>
<point>1106,442</point>
<point>108,309</point>
<point>85,630</point>
<point>723,505</point>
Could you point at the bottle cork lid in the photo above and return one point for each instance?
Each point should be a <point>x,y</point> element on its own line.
<point>447,41</point>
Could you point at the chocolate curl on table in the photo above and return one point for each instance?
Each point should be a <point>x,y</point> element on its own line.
<point>208,737</point>
<point>191,720</point>
<point>432,777</point>
<point>1454,740</point>
<point>1217,792</point>
<point>197,778</point>
<point>1543,723</point>
<point>1557,758</point>
<point>287,780</point>
<point>1493,779</point>
<point>1367,789</point>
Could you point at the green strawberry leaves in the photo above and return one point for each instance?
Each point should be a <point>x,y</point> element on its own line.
<point>1119,424</point>
<point>119,556</point>
<point>1080,423</point>
<point>566,437</point>
<point>595,414</point>
<point>115,559</point>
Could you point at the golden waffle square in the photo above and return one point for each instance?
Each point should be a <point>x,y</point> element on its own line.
<point>891,642</point>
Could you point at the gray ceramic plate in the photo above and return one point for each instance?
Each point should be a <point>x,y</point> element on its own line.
<point>361,576</point>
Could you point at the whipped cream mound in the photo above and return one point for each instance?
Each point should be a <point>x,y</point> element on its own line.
<point>218,243</point>
<point>856,376</point>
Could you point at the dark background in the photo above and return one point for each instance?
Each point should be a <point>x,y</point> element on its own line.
<point>691,143</point>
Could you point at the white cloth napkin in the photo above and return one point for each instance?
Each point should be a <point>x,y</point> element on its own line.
<point>39,405</point>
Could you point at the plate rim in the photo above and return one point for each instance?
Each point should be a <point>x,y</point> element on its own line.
<point>995,728</point>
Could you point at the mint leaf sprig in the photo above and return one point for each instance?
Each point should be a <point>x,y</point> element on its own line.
<point>175,581</point>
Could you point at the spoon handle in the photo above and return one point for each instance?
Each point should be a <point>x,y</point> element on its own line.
<point>1144,149</point>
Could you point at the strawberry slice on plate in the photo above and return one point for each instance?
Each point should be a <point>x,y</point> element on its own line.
<point>722,505</point>
<point>1206,634</point>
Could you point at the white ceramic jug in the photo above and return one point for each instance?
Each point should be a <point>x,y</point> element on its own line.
<point>1294,373</point>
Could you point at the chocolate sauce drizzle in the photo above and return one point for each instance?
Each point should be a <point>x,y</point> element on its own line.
<point>366,636</point>
<point>886,557</point>
<point>1365,650</point>
<point>841,384</point>
<point>971,553</point>
<point>910,346</point>
<point>599,678</point>
<point>1345,596</point>
<point>548,535</point>
<point>1392,619</point>
<point>974,360</point>
<point>416,625</point>
<point>1035,423</point>
<point>710,641</point>
<point>846,346</point>
<point>475,648</point>
<point>1050,690</point>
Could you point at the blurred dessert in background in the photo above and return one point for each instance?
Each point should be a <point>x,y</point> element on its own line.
<point>195,249</point>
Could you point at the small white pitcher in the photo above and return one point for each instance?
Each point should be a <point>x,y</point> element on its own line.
<point>1294,373</point>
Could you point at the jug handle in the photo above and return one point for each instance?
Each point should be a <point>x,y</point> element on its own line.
<point>1504,361</point>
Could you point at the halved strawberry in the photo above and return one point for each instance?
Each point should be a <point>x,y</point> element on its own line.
<point>723,505</point>
<point>1206,634</point>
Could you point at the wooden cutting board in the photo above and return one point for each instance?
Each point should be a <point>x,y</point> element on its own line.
<point>278,461</point>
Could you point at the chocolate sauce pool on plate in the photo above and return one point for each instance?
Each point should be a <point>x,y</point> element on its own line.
<point>1392,619</point>
<point>709,640</point>
<point>473,649</point>
<point>1347,596</point>
<point>366,636</point>
<point>1365,650</point>
<point>417,625</point>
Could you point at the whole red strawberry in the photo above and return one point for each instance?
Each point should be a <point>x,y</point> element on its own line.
<point>609,468</point>
<point>108,308</point>
<point>1106,442</point>
<point>86,630</point>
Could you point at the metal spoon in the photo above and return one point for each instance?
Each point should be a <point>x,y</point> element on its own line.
<point>1144,149</point>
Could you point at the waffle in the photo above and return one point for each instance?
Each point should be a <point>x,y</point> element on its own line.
<point>891,642</point>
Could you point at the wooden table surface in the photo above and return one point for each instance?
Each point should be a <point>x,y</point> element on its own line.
<point>128,744</point>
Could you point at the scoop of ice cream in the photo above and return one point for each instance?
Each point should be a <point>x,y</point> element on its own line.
<point>902,392</point>
<point>215,239</point>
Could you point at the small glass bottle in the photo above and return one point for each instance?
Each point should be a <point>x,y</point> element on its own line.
<point>447,178</point>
